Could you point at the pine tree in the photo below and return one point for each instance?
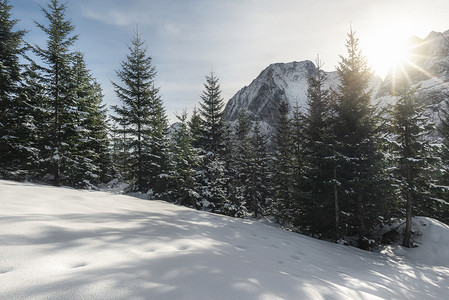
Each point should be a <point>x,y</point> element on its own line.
<point>258,175</point>
<point>92,151</point>
<point>240,164</point>
<point>360,168</point>
<point>184,176</point>
<point>214,189</point>
<point>195,128</point>
<point>143,121</point>
<point>283,206</point>
<point>15,131</point>
<point>211,112</point>
<point>413,154</point>
<point>57,124</point>
<point>443,129</point>
<point>320,204</point>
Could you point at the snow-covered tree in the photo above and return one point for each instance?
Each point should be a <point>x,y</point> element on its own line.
<point>211,112</point>
<point>259,176</point>
<point>361,163</point>
<point>320,215</point>
<point>185,179</point>
<point>57,125</point>
<point>15,117</point>
<point>283,164</point>
<point>412,153</point>
<point>94,164</point>
<point>141,118</point>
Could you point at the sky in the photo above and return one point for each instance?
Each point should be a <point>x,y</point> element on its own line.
<point>235,39</point>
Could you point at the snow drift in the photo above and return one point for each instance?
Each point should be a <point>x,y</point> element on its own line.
<point>60,243</point>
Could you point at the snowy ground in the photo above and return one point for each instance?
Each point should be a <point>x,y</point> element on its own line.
<point>60,243</point>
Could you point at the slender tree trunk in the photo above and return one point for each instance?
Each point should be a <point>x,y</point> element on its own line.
<point>408,216</point>
<point>362,229</point>
<point>337,208</point>
<point>57,133</point>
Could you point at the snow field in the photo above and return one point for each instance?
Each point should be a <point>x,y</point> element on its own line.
<point>61,243</point>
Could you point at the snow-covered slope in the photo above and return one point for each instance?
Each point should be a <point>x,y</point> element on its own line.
<point>60,243</point>
<point>431,238</point>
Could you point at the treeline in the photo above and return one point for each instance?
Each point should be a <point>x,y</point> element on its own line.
<point>337,171</point>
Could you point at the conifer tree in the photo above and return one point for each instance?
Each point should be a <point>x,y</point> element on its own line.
<point>240,163</point>
<point>15,131</point>
<point>195,128</point>
<point>283,168</point>
<point>413,154</point>
<point>259,175</point>
<point>360,168</point>
<point>443,129</point>
<point>92,151</point>
<point>57,124</point>
<point>320,206</point>
<point>143,119</point>
<point>185,159</point>
<point>211,112</point>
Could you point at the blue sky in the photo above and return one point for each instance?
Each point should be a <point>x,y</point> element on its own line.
<point>236,39</point>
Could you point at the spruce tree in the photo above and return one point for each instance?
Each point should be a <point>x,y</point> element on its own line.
<point>283,206</point>
<point>443,129</point>
<point>142,121</point>
<point>15,130</point>
<point>92,149</point>
<point>240,166</point>
<point>185,159</point>
<point>413,154</point>
<point>258,175</point>
<point>211,112</point>
<point>360,168</point>
<point>195,128</point>
<point>57,126</point>
<point>320,204</point>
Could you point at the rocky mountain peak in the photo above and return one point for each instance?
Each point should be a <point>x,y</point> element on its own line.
<point>277,83</point>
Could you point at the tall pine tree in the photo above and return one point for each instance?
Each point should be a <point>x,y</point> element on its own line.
<point>320,202</point>
<point>185,179</point>
<point>58,120</point>
<point>142,121</point>
<point>413,155</point>
<point>211,112</point>
<point>15,131</point>
<point>92,141</point>
<point>283,164</point>
<point>360,168</point>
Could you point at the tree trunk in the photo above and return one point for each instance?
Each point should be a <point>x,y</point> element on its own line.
<point>408,215</point>
<point>337,208</point>
<point>362,228</point>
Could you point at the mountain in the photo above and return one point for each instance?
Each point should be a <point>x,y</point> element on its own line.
<point>277,83</point>
<point>427,67</point>
<point>61,243</point>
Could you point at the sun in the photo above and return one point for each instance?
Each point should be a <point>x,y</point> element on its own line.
<point>387,52</point>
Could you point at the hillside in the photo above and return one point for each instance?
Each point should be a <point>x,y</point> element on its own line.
<point>60,243</point>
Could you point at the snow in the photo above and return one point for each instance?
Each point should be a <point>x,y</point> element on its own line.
<point>431,238</point>
<point>61,243</point>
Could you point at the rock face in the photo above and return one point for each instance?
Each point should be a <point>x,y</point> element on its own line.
<point>277,83</point>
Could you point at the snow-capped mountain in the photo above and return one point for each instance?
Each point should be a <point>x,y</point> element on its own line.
<point>428,68</point>
<point>277,83</point>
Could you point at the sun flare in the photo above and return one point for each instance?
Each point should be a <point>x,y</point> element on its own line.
<point>387,53</point>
